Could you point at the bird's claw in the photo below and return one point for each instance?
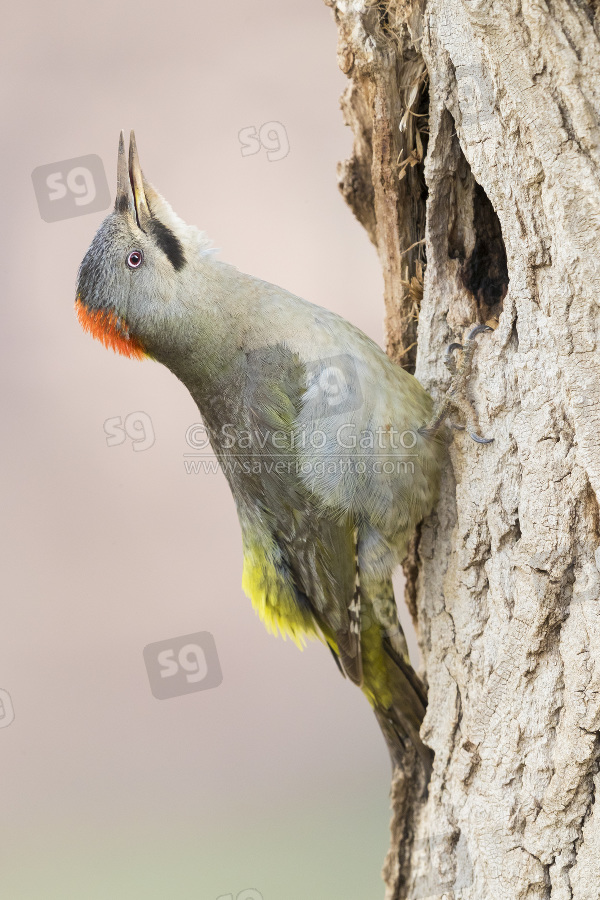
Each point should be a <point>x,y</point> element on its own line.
<point>449,360</point>
<point>479,329</point>
<point>480,440</point>
<point>456,396</point>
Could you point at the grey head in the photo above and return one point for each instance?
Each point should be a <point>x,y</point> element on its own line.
<point>134,274</point>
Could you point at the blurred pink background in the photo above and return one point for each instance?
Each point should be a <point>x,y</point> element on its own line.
<point>277,780</point>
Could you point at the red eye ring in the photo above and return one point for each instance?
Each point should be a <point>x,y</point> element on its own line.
<point>135,259</point>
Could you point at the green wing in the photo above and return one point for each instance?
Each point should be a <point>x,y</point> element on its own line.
<point>299,564</point>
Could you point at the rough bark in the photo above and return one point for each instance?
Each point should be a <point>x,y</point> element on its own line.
<point>502,99</point>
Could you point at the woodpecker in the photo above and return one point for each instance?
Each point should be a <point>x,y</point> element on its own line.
<point>332,451</point>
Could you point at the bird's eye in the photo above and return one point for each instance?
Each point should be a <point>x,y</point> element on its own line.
<point>134,260</point>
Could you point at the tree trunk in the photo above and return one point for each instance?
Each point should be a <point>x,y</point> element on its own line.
<point>475,171</point>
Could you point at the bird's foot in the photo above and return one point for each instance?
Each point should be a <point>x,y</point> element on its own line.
<point>456,395</point>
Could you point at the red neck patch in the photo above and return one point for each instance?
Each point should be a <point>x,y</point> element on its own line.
<point>109,329</point>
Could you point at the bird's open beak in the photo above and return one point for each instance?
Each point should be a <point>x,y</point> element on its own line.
<point>131,195</point>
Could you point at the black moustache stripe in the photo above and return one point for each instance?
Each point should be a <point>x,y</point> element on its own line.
<point>168,243</point>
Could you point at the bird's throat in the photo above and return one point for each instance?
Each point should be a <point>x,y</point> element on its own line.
<point>110,329</point>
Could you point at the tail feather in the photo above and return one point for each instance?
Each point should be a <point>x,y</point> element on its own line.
<point>390,683</point>
<point>400,720</point>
